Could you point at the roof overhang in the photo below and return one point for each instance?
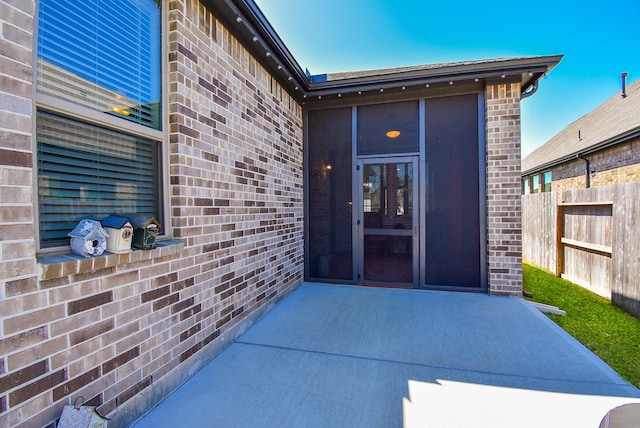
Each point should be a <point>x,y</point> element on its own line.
<point>630,135</point>
<point>247,23</point>
<point>448,76</point>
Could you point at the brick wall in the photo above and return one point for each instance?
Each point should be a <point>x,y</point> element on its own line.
<point>18,285</point>
<point>17,245</point>
<point>122,330</point>
<point>504,235</point>
<point>625,174</point>
<point>568,183</point>
<point>614,165</point>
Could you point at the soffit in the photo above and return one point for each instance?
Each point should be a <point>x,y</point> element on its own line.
<point>247,23</point>
<point>437,79</point>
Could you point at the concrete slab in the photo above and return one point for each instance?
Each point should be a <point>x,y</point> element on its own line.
<point>369,357</point>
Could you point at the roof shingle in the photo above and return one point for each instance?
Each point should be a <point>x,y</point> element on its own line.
<point>614,119</point>
<point>417,68</point>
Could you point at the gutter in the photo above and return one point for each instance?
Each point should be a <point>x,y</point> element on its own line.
<point>618,139</point>
<point>587,177</point>
<point>289,62</point>
<point>529,91</point>
<point>245,21</point>
<point>444,77</point>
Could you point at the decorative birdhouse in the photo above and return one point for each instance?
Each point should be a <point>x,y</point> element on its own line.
<point>145,231</point>
<point>88,238</point>
<point>120,233</point>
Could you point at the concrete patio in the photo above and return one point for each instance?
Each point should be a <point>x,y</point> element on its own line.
<point>343,356</point>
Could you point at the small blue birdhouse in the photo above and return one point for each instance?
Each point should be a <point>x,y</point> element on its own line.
<point>88,239</point>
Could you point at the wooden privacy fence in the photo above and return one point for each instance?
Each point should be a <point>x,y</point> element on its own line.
<point>588,236</point>
<point>583,240</point>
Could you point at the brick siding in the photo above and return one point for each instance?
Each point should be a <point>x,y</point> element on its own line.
<point>122,330</point>
<point>615,165</point>
<point>112,329</point>
<point>504,235</point>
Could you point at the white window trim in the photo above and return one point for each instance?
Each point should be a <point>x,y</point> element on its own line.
<point>97,118</point>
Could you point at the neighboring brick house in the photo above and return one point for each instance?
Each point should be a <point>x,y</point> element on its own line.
<point>599,149</point>
<point>194,113</point>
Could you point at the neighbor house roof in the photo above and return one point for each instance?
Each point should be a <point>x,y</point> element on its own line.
<point>614,122</point>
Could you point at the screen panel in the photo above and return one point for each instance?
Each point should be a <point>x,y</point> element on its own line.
<point>330,194</point>
<point>388,128</point>
<point>451,192</point>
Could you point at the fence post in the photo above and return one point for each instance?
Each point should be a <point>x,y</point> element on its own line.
<point>559,235</point>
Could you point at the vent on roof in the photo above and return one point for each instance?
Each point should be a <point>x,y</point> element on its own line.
<point>624,84</point>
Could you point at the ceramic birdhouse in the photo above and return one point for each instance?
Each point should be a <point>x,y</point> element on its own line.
<point>145,231</point>
<point>120,233</point>
<point>88,239</point>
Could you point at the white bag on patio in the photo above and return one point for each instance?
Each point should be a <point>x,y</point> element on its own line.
<point>81,417</point>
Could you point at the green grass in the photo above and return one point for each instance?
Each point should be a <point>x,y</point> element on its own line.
<point>608,331</point>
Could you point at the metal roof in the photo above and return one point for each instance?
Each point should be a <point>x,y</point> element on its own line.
<point>614,122</point>
<point>115,221</point>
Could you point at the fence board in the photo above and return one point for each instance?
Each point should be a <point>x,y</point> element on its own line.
<point>626,285</point>
<point>592,222</point>
<point>589,262</point>
<point>539,230</point>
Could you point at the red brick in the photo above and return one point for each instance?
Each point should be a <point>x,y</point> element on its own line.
<point>30,320</point>
<point>64,389</point>
<point>135,390</point>
<point>89,302</point>
<point>90,332</point>
<point>121,359</point>
<point>155,294</point>
<point>22,376</point>
<point>166,301</point>
<point>14,158</point>
<point>36,388</point>
<point>21,286</point>
<point>187,334</point>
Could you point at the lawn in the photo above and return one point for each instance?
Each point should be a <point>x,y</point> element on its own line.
<point>605,329</point>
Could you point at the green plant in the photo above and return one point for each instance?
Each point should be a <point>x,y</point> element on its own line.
<point>608,331</point>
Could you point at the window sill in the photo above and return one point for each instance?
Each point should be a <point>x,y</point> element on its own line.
<point>58,266</point>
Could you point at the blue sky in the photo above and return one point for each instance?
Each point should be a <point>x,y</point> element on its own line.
<point>599,40</point>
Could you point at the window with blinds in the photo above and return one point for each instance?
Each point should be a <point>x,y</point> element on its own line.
<point>104,55</point>
<point>89,172</point>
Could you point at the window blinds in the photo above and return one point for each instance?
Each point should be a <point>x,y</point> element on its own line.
<point>103,55</point>
<point>89,172</point>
